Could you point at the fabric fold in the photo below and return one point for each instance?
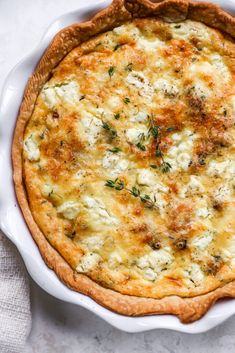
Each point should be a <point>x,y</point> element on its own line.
<point>15,316</point>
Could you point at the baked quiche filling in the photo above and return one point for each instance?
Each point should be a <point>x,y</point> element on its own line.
<point>129,159</point>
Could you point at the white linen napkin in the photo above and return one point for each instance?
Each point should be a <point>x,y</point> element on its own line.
<point>15,316</point>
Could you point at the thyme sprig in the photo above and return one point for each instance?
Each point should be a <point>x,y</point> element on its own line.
<point>119,185</point>
<point>156,132</point>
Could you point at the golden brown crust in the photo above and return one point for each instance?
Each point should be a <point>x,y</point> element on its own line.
<point>187,310</point>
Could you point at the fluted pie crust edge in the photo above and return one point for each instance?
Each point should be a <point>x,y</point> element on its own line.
<point>187,309</point>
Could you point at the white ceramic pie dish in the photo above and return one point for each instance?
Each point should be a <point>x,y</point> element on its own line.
<point>14,226</point>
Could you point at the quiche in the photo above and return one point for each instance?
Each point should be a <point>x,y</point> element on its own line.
<point>124,157</point>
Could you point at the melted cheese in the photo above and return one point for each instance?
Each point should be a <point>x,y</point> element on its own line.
<point>166,87</point>
<point>61,93</point>
<point>98,212</point>
<point>92,128</point>
<point>156,260</point>
<point>93,243</point>
<point>140,117</point>
<point>187,30</point>
<point>88,262</point>
<point>114,163</point>
<point>180,155</point>
<point>194,275</point>
<point>31,148</point>
<point>141,83</point>
<point>134,134</point>
<point>145,177</point>
<point>201,242</point>
<point>69,209</point>
<point>130,154</point>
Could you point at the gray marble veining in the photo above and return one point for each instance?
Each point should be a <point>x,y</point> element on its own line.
<point>63,328</point>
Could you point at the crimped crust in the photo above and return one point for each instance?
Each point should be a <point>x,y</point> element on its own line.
<point>187,309</point>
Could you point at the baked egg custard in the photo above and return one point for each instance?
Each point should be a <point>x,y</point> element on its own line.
<point>129,159</point>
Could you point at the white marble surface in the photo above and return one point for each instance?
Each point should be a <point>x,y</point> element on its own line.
<point>60,327</point>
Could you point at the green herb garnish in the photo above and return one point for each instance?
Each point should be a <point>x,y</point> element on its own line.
<point>117,47</point>
<point>105,126</point>
<point>165,167</point>
<point>141,146</point>
<point>149,203</point>
<point>42,135</point>
<point>169,129</point>
<point>116,116</point>
<point>98,44</point>
<point>158,152</point>
<point>129,67</point>
<point>217,257</point>
<point>111,71</point>
<point>110,129</point>
<point>114,150</point>
<point>118,185</point>
<point>126,100</point>
<point>134,191</point>
<point>154,131</point>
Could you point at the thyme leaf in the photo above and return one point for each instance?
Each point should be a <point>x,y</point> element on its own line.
<point>134,191</point>
<point>119,185</point>
<point>111,71</point>
<point>154,131</point>
<point>165,167</point>
<point>141,146</point>
<point>116,184</point>
<point>114,150</point>
<point>149,203</point>
<point>110,183</point>
<point>158,152</point>
<point>126,100</point>
<point>169,129</point>
<point>117,46</point>
<point>117,116</point>
<point>129,67</point>
<point>98,44</point>
<point>112,131</point>
<point>105,126</point>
